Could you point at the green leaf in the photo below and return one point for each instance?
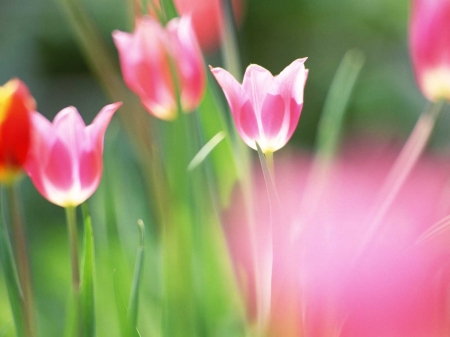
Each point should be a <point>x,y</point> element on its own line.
<point>133,304</point>
<point>11,278</point>
<point>87,280</point>
<point>120,306</point>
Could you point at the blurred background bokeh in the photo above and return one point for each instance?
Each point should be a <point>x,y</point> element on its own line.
<point>37,45</point>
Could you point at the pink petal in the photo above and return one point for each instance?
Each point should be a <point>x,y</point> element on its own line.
<point>257,82</point>
<point>234,93</point>
<point>281,112</point>
<point>248,125</point>
<point>189,60</point>
<point>145,66</point>
<point>43,138</point>
<point>272,116</point>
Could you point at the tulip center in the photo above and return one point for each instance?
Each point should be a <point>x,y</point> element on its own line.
<point>436,84</point>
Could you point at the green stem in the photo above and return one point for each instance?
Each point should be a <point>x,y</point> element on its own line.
<point>21,253</point>
<point>269,161</point>
<point>71,219</point>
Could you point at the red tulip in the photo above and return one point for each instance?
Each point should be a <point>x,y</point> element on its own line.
<point>16,105</point>
<point>429,39</point>
<point>65,161</point>
<point>265,108</point>
<point>145,59</point>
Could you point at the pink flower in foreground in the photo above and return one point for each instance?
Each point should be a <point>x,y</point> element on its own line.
<point>265,108</point>
<point>145,59</point>
<point>65,160</point>
<point>429,39</point>
<point>323,284</point>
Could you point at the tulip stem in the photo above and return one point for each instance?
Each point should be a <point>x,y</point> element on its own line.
<point>71,219</point>
<point>404,164</point>
<point>21,253</point>
<point>269,161</point>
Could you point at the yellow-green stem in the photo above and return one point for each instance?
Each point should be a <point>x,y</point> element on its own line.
<point>71,219</point>
<point>21,253</point>
<point>269,160</point>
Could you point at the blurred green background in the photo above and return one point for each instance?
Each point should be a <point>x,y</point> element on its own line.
<point>37,45</point>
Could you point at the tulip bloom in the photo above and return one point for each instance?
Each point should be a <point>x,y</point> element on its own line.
<point>16,105</point>
<point>429,39</point>
<point>146,56</point>
<point>65,161</point>
<point>265,109</point>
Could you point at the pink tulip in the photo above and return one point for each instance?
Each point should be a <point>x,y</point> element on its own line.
<point>65,160</point>
<point>145,59</point>
<point>429,39</point>
<point>265,109</point>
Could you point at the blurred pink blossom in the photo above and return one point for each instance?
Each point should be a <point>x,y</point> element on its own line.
<point>429,39</point>
<point>265,108</point>
<point>324,281</point>
<point>145,58</point>
<point>207,19</point>
<point>65,161</point>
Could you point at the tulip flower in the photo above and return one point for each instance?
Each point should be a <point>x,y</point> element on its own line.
<point>65,159</point>
<point>429,39</point>
<point>16,105</point>
<point>265,109</point>
<point>146,58</point>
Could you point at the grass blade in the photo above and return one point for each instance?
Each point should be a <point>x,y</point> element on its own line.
<point>11,278</point>
<point>206,150</point>
<point>87,281</point>
<point>133,304</point>
<point>336,103</point>
<point>169,9</point>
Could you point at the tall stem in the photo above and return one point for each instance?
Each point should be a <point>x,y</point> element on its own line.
<point>404,164</point>
<point>21,253</point>
<point>71,220</point>
<point>269,160</point>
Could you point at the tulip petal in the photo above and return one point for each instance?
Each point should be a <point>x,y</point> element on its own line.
<point>272,116</point>
<point>248,123</point>
<point>96,131</point>
<point>234,93</point>
<point>188,58</point>
<point>257,82</point>
<point>279,119</point>
<point>145,66</point>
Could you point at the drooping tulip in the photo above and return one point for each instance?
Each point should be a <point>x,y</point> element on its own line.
<point>265,108</point>
<point>429,39</point>
<point>65,160</point>
<point>146,58</point>
<point>16,105</point>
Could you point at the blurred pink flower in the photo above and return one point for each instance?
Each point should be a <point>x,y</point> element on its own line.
<point>145,59</point>
<point>265,108</point>
<point>323,282</point>
<point>429,39</point>
<point>207,19</point>
<point>65,161</point>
